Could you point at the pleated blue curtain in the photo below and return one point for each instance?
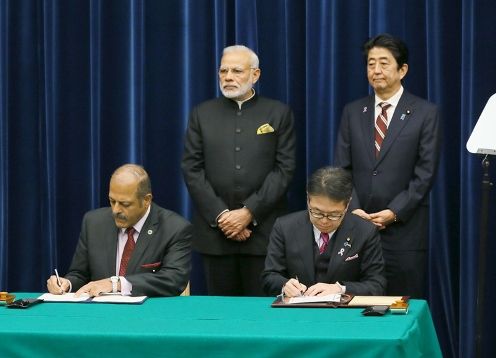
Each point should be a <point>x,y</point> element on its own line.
<point>86,86</point>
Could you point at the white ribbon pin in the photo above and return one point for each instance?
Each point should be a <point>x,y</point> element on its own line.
<point>341,252</point>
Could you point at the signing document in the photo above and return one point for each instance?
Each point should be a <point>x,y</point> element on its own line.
<point>103,298</point>
<point>313,299</point>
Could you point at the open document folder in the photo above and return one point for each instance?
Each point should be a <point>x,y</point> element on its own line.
<point>104,298</point>
<point>337,300</point>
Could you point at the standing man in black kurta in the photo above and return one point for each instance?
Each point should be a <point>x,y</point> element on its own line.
<point>239,158</point>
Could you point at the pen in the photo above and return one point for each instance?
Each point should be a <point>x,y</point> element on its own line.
<point>296,278</point>
<point>58,278</point>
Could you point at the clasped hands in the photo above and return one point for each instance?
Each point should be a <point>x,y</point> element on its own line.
<point>294,288</point>
<point>233,224</point>
<point>93,288</point>
<point>380,219</point>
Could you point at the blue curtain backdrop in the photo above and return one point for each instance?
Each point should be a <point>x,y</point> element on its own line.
<point>87,85</point>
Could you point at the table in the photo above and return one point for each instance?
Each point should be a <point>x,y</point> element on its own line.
<point>212,326</point>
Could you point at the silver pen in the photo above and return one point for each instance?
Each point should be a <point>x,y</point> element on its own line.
<point>58,279</point>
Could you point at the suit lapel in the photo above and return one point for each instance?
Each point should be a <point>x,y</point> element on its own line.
<point>148,231</point>
<point>368,127</point>
<point>343,241</point>
<point>111,235</point>
<point>398,122</point>
<point>305,247</point>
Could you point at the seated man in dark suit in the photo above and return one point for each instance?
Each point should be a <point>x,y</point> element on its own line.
<point>325,250</point>
<point>133,247</point>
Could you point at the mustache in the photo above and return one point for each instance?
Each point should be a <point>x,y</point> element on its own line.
<point>119,216</point>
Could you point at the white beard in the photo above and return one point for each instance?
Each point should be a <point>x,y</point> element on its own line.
<point>236,93</point>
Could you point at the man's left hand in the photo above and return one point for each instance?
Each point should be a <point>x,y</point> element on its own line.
<point>234,221</point>
<point>382,218</point>
<point>94,288</point>
<point>323,289</point>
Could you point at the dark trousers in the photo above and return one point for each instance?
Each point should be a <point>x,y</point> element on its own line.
<point>233,275</point>
<point>406,273</point>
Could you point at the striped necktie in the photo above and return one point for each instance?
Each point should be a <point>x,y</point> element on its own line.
<point>128,250</point>
<point>324,236</point>
<point>381,127</point>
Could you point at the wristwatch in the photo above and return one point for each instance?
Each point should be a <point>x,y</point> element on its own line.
<point>114,280</point>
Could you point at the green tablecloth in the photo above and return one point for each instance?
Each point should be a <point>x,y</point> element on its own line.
<point>212,326</point>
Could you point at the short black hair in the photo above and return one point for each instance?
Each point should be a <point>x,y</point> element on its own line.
<point>331,182</point>
<point>396,46</point>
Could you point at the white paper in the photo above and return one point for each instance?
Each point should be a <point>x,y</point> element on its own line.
<point>67,297</point>
<point>104,298</point>
<point>314,299</point>
<point>119,299</point>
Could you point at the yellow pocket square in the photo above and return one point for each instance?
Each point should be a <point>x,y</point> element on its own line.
<point>265,128</point>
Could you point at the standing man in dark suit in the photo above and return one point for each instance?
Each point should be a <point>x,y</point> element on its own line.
<point>390,142</point>
<point>134,247</point>
<point>239,158</point>
<point>324,249</point>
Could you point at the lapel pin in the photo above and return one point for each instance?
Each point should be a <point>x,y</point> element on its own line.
<point>150,232</point>
<point>403,116</point>
<point>347,244</point>
<point>364,109</point>
<point>408,111</point>
<point>341,252</point>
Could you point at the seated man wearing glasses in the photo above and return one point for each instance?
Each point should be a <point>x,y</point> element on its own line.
<point>325,249</point>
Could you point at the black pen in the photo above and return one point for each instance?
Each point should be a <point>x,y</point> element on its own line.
<point>296,278</point>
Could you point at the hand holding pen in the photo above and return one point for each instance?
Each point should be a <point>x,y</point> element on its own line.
<point>57,285</point>
<point>293,288</point>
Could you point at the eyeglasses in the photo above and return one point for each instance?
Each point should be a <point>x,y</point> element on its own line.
<point>236,71</point>
<point>332,217</point>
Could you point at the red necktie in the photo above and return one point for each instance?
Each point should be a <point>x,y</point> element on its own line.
<point>324,236</point>
<point>381,127</point>
<point>128,250</point>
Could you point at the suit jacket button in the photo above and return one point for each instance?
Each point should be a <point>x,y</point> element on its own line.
<point>238,130</point>
<point>238,166</point>
<point>237,149</point>
<point>374,173</point>
<point>239,113</point>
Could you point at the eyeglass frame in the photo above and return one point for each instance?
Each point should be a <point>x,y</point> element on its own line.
<point>331,217</point>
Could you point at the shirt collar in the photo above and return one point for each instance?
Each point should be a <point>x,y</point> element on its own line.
<point>393,100</point>
<point>139,225</point>
<point>240,103</point>
<point>316,234</point>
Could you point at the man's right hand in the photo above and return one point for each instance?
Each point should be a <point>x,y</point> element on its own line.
<point>233,222</point>
<point>243,235</point>
<point>54,288</point>
<point>293,288</point>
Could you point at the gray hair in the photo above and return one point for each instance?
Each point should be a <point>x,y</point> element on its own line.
<point>254,63</point>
